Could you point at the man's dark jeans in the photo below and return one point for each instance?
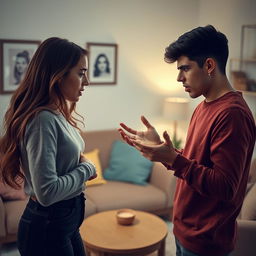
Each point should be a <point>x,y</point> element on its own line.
<point>181,251</point>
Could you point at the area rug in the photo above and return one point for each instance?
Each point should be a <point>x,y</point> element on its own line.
<point>170,248</point>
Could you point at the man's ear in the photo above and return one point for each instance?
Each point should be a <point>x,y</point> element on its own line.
<point>210,65</point>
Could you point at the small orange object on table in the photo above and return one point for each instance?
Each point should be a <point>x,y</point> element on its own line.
<point>104,236</point>
<point>125,216</point>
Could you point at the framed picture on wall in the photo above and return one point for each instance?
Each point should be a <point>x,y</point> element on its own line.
<point>14,58</point>
<point>102,68</point>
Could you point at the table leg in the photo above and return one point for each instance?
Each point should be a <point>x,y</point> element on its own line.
<point>95,253</point>
<point>88,252</point>
<point>161,251</point>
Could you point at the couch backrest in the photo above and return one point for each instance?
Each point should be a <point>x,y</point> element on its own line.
<point>248,211</point>
<point>103,141</point>
<point>252,174</point>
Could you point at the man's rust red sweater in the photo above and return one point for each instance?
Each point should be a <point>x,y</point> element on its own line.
<point>213,171</point>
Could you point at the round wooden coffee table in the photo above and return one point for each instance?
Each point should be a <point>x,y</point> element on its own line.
<point>103,236</point>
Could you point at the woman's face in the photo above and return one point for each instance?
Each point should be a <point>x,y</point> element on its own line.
<point>102,64</point>
<point>74,82</point>
<point>21,65</point>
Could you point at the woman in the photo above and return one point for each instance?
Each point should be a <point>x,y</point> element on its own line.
<point>41,144</point>
<point>101,66</point>
<point>21,63</point>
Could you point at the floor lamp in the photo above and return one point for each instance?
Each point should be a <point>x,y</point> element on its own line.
<point>175,109</point>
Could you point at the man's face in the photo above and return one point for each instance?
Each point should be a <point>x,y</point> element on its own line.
<point>195,80</point>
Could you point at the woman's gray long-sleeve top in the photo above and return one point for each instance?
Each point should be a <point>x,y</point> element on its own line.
<point>50,154</point>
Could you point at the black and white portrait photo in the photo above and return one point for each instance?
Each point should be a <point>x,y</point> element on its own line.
<point>20,63</point>
<point>15,57</point>
<point>102,63</point>
<point>101,66</point>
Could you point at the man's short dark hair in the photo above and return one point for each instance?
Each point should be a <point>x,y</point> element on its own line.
<point>198,45</point>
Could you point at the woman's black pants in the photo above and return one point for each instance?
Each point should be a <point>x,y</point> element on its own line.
<point>52,230</point>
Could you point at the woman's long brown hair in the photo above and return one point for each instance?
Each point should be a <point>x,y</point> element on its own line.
<point>40,87</point>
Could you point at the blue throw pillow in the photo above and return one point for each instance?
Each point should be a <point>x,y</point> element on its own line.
<point>127,165</point>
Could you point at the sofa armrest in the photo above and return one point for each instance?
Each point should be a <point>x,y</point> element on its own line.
<point>246,238</point>
<point>164,180</point>
<point>2,218</point>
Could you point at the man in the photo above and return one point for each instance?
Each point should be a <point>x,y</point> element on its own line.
<point>213,167</point>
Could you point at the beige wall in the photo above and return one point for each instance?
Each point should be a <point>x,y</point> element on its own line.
<point>229,16</point>
<point>142,29</point>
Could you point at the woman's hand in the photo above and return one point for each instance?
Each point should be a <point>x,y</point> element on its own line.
<point>93,177</point>
<point>84,159</point>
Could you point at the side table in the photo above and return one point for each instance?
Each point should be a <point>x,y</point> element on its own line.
<point>103,236</point>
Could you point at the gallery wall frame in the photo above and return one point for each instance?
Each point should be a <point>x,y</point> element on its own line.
<point>15,56</point>
<point>102,58</point>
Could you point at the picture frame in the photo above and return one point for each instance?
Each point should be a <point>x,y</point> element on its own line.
<point>15,56</point>
<point>102,66</point>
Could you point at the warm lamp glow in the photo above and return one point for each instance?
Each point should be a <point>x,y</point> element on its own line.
<point>175,108</point>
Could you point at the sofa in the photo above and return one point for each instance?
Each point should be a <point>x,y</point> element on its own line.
<point>155,197</point>
<point>246,232</point>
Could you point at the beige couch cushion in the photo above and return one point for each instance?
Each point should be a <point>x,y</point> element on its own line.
<point>164,180</point>
<point>248,211</point>
<point>2,219</point>
<point>252,173</point>
<point>9,193</point>
<point>90,207</point>
<point>101,140</point>
<point>115,195</point>
<point>14,210</point>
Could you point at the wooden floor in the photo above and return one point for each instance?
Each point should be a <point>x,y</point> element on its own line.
<point>11,249</point>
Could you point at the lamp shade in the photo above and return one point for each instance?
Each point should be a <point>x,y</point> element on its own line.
<point>175,108</point>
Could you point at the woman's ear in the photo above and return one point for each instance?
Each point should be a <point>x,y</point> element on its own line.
<point>60,80</point>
